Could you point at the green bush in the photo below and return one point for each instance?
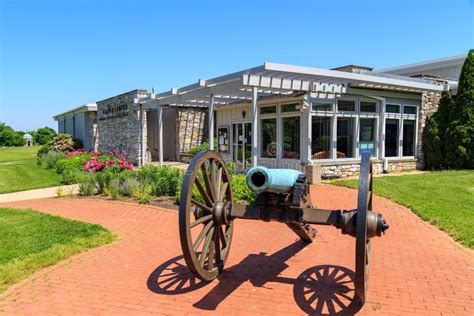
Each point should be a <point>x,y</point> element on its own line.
<point>103,180</point>
<point>195,150</point>
<point>43,150</point>
<point>129,186</point>
<point>434,134</point>
<point>143,193</point>
<point>86,183</point>
<point>241,190</point>
<point>163,180</point>
<point>113,190</point>
<point>49,160</point>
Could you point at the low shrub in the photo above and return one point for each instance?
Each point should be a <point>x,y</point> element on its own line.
<point>113,190</point>
<point>241,190</point>
<point>86,184</point>
<point>129,186</point>
<point>62,142</point>
<point>143,193</point>
<point>103,180</point>
<point>163,180</point>
<point>195,150</point>
<point>49,160</point>
<point>43,150</point>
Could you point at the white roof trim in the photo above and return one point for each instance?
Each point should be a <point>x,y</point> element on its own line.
<point>425,65</point>
<point>272,78</point>
<point>90,107</point>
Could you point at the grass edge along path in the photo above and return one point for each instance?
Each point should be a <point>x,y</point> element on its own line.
<point>445,199</point>
<point>18,269</point>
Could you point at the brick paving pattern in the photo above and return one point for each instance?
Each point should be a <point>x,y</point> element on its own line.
<point>415,268</point>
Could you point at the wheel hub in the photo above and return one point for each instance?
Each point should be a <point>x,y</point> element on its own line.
<point>220,213</point>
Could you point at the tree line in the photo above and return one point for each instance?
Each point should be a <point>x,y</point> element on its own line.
<point>11,138</point>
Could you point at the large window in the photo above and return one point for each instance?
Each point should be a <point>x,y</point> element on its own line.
<point>291,137</point>
<point>321,137</point>
<point>345,137</point>
<point>391,138</point>
<point>367,135</point>
<point>269,138</point>
<point>408,138</point>
<point>345,105</point>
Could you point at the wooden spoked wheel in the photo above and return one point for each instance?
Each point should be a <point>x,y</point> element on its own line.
<point>363,248</point>
<point>205,227</point>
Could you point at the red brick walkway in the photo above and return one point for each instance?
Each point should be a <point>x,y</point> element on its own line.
<point>415,268</point>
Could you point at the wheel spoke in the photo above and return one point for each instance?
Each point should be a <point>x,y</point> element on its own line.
<point>222,237</point>
<point>201,205</point>
<point>218,183</point>
<point>201,236</point>
<point>207,182</point>
<point>203,192</point>
<point>217,245</point>
<point>201,220</point>
<point>210,257</point>
<point>222,192</point>
<point>205,248</point>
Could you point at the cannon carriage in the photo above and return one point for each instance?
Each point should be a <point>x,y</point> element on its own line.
<point>207,213</point>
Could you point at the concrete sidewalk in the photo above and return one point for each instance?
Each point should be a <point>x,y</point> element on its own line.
<point>38,193</point>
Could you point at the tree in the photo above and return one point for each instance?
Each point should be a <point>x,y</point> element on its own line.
<point>8,137</point>
<point>460,132</point>
<point>434,135</point>
<point>43,135</point>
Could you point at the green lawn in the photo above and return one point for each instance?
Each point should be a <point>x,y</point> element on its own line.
<point>443,198</point>
<point>31,240</point>
<point>19,171</point>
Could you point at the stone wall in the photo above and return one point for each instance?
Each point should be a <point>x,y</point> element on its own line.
<point>191,129</point>
<point>342,170</point>
<point>429,105</point>
<point>119,124</point>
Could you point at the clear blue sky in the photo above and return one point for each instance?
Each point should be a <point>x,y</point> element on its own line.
<point>56,55</point>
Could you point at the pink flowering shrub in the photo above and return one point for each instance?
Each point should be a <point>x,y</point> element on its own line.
<point>114,162</point>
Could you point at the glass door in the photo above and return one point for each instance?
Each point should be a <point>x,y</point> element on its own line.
<point>242,145</point>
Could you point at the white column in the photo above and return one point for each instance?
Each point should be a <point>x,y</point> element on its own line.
<point>382,130</point>
<point>160,133</point>
<point>306,131</point>
<point>143,145</point>
<point>254,126</point>
<point>334,136</point>
<point>211,122</point>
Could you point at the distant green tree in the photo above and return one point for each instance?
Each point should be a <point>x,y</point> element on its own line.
<point>460,132</point>
<point>9,138</point>
<point>434,134</point>
<point>43,135</point>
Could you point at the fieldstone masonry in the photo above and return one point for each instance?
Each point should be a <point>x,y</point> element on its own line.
<point>352,169</point>
<point>191,128</point>
<point>120,122</point>
<point>429,105</point>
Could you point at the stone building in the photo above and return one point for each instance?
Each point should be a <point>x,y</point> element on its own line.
<point>284,116</point>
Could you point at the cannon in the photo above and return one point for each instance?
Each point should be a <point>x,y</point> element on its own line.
<point>207,212</point>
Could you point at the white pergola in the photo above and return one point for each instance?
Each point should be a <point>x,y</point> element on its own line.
<point>273,79</point>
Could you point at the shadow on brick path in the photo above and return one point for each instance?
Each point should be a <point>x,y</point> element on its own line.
<point>323,289</point>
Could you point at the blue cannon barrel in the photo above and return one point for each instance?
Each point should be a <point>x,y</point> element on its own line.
<point>261,179</point>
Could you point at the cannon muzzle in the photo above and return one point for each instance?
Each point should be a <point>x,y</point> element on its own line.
<point>261,179</point>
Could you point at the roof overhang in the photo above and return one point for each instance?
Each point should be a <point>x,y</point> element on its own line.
<point>272,78</point>
<point>90,107</point>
